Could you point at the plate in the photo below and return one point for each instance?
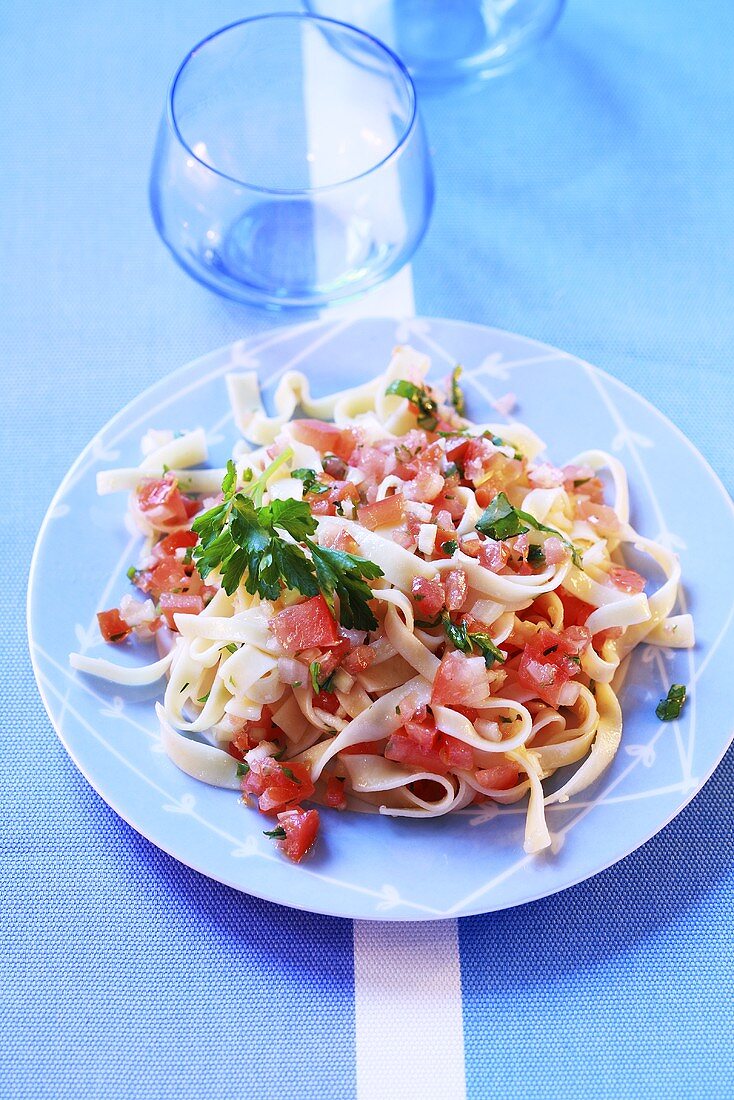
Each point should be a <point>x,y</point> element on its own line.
<point>367,866</point>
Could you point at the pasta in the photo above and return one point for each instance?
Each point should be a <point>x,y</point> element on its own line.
<point>386,607</point>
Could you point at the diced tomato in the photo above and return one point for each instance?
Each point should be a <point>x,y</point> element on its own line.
<point>455,753</point>
<point>500,777</point>
<point>575,611</point>
<point>600,516</point>
<point>460,680</point>
<point>332,659</point>
<point>325,504</point>
<point>456,448</point>
<point>161,500</point>
<point>455,586</point>
<point>338,540</point>
<point>277,784</point>
<point>493,555</point>
<point>335,467</point>
<point>327,701</point>
<point>335,796</point>
<point>305,625</point>
<point>301,829</point>
<point>251,734</point>
<point>325,438</point>
<point>112,626</point>
<point>555,551</point>
<point>627,580</point>
<point>429,597</point>
<point>359,660</point>
<point>403,749</point>
<point>383,513</point>
<point>367,748</point>
<point>178,540</point>
<point>182,603</point>
<point>549,660</point>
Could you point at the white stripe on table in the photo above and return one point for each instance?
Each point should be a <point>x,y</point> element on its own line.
<point>410,1040</point>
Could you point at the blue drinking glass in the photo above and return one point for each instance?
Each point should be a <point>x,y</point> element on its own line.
<point>448,42</point>
<point>291,166</point>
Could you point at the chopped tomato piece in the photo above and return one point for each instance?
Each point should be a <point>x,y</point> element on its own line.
<point>178,540</point>
<point>328,701</point>
<point>161,500</point>
<point>461,680</point>
<point>383,513</point>
<point>626,579</point>
<point>325,504</point>
<point>429,596</point>
<point>335,796</point>
<point>455,753</point>
<point>600,516</point>
<point>455,586</point>
<point>301,829</point>
<point>407,750</point>
<point>338,540</point>
<point>493,555</point>
<point>500,777</point>
<point>325,438</point>
<point>112,626</point>
<point>359,660</point>
<point>182,603</point>
<point>332,659</point>
<point>277,785</point>
<point>575,611</point>
<point>549,660</point>
<point>306,625</point>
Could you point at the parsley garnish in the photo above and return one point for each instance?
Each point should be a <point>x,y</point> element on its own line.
<point>289,774</point>
<point>418,396</point>
<point>536,554</point>
<point>314,669</point>
<point>204,698</point>
<point>277,834</point>
<point>457,397</point>
<point>670,707</point>
<point>241,538</point>
<point>132,573</point>
<point>501,521</point>
<point>231,647</point>
<point>450,547</point>
<point>452,470</point>
<point>462,639</point>
<point>242,768</point>
<point>311,483</point>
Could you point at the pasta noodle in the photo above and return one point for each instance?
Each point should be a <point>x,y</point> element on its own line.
<point>409,614</point>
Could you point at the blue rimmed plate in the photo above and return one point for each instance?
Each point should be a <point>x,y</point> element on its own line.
<point>367,866</point>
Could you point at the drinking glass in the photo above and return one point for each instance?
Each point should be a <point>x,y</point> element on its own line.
<point>291,166</point>
<point>448,42</point>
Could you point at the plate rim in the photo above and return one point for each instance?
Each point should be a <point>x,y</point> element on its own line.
<point>481,907</point>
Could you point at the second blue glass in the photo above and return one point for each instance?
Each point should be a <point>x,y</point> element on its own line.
<point>291,166</point>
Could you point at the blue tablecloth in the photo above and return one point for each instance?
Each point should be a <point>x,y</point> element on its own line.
<point>588,201</point>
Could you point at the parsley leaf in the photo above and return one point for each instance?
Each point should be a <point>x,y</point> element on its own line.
<point>243,768</point>
<point>457,397</point>
<point>536,554</point>
<point>426,407</point>
<point>450,547</point>
<point>278,833</point>
<point>670,707</point>
<point>341,574</point>
<point>501,521</point>
<point>467,642</point>
<point>314,669</point>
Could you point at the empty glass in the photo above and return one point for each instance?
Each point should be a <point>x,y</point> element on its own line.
<point>446,42</point>
<point>291,166</point>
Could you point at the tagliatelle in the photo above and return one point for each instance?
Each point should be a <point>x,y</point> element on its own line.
<point>387,607</point>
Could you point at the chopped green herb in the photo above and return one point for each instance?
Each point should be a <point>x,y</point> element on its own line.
<point>314,669</point>
<point>462,639</point>
<point>580,481</point>
<point>536,554</point>
<point>231,647</point>
<point>670,707</point>
<point>276,834</point>
<point>457,397</point>
<point>450,546</point>
<point>502,521</point>
<point>311,483</point>
<point>397,710</point>
<point>242,768</point>
<point>166,468</point>
<point>452,470</point>
<point>418,396</point>
<point>240,537</point>
<point>204,698</point>
<point>132,573</point>
<point>551,649</point>
<point>297,683</point>
<point>277,755</point>
<point>289,774</point>
<point>188,553</point>
<point>425,624</point>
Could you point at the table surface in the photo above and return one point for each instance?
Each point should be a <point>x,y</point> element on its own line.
<point>587,201</point>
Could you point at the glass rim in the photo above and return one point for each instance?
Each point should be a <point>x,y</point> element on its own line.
<point>306,17</point>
